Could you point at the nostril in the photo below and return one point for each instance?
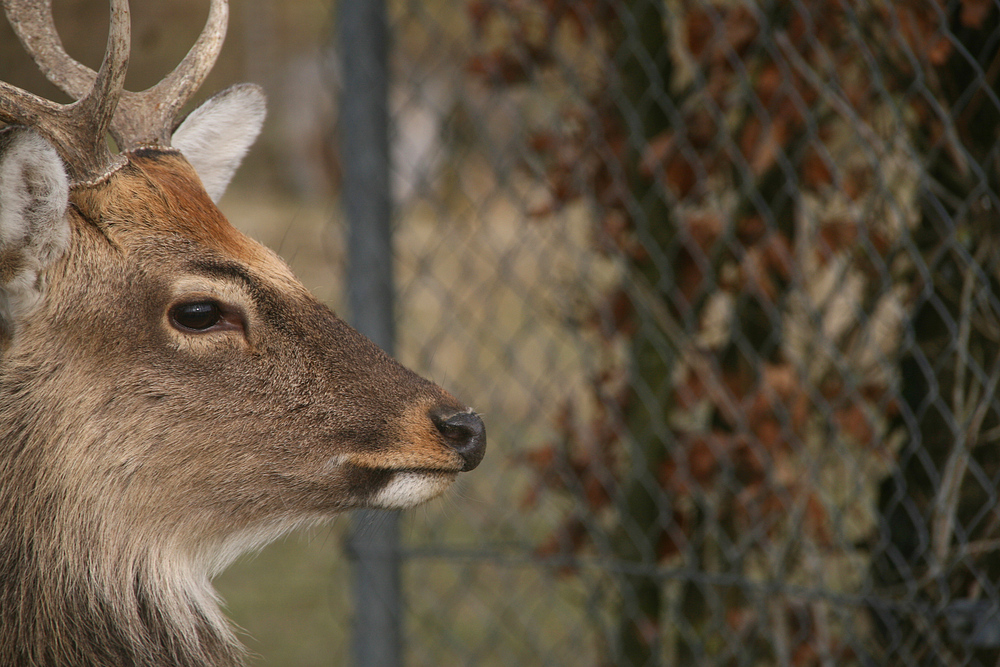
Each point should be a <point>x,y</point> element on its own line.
<point>466,434</point>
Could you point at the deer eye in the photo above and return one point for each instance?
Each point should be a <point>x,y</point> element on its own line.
<point>197,316</point>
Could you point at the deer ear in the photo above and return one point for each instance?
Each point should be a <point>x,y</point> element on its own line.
<point>215,136</point>
<point>34,232</point>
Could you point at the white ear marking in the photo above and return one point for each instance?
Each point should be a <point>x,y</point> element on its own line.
<point>215,136</point>
<point>34,194</point>
<point>34,190</point>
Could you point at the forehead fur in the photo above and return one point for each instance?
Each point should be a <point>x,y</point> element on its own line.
<point>158,195</point>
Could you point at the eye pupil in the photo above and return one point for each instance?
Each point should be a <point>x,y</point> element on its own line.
<point>197,316</point>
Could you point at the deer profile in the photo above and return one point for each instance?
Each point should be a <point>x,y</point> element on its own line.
<point>170,395</point>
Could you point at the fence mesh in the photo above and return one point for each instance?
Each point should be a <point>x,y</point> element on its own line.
<point>722,277</point>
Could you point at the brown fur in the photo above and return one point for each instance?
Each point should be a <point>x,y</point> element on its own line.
<point>11,262</point>
<point>138,460</point>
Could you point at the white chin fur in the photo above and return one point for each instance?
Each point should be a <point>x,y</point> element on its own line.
<point>407,489</point>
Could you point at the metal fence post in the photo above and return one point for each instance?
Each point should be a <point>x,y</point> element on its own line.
<point>373,545</point>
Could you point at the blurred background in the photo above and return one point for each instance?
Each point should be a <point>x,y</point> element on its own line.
<point>721,277</point>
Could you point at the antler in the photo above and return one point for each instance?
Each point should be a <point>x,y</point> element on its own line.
<point>78,131</point>
<point>142,118</point>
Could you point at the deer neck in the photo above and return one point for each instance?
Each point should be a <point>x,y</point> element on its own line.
<point>75,589</point>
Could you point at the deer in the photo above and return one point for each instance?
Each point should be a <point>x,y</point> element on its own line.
<point>171,396</point>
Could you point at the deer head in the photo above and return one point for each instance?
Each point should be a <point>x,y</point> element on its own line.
<point>170,394</point>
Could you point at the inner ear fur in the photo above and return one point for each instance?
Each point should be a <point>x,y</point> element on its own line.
<point>217,135</point>
<point>34,232</point>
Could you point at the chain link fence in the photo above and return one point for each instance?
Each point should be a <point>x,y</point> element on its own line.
<point>722,278</point>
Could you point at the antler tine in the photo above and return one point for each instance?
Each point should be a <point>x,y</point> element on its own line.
<point>33,23</point>
<point>78,130</point>
<point>148,117</point>
<point>142,118</point>
<point>22,108</point>
<point>102,100</point>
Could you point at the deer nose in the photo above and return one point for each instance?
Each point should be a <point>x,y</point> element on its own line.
<point>466,434</point>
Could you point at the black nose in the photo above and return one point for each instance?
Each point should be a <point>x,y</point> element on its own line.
<point>466,434</point>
